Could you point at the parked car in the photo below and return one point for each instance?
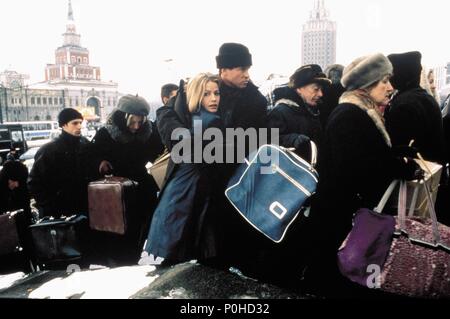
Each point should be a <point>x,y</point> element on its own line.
<point>28,157</point>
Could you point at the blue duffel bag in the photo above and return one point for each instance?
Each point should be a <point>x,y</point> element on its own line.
<point>270,190</point>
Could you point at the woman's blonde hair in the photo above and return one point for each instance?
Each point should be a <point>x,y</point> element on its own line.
<point>196,89</point>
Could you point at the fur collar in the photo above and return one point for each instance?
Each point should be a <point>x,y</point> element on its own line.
<point>364,102</point>
<point>124,137</point>
<point>288,102</point>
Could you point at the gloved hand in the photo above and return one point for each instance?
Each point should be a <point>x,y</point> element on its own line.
<point>404,151</point>
<point>410,170</point>
<point>105,168</point>
<point>301,141</point>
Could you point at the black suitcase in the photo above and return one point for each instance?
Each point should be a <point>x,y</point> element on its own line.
<point>58,239</point>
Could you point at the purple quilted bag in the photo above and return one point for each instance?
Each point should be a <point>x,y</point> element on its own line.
<point>412,255</point>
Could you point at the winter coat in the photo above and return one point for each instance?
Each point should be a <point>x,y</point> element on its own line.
<point>415,115</point>
<point>183,226</point>
<point>245,108</point>
<point>330,101</point>
<point>294,118</point>
<point>58,180</point>
<point>356,166</point>
<point>127,154</point>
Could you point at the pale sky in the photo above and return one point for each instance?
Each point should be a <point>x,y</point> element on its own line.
<point>131,39</point>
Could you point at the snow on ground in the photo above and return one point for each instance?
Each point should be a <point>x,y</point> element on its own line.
<point>115,283</point>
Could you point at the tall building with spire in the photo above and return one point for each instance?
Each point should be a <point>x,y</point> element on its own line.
<point>70,82</point>
<point>319,37</point>
<point>72,60</point>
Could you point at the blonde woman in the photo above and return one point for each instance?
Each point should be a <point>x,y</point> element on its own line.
<point>181,228</point>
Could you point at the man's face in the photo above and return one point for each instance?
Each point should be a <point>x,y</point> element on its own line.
<point>236,77</point>
<point>73,127</point>
<point>311,93</point>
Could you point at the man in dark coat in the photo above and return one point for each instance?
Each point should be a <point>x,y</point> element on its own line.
<point>296,113</point>
<point>413,113</point>
<point>58,180</point>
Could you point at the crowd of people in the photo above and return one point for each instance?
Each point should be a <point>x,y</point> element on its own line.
<point>368,119</point>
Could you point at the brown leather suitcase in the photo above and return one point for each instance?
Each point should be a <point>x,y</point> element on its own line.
<point>9,236</point>
<point>110,200</point>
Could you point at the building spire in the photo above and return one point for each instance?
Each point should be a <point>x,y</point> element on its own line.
<point>70,36</point>
<point>319,12</point>
<point>70,14</point>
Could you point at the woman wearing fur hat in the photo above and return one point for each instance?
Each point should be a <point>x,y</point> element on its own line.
<point>123,147</point>
<point>183,226</point>
<point>357,162</point>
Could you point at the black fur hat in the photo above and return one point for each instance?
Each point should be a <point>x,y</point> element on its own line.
<point>232,55</point>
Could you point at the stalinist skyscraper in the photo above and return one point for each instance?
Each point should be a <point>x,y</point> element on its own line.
<point>319,37</point>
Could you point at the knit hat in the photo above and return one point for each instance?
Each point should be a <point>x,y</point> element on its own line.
<point>133,104</point>
<point>232,55</point>
<point>407,67</point>
<point>308,74</point>
<point>365,71</point>
<point>67,115</point>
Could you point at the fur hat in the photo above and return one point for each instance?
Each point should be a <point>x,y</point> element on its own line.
<point>407,67</point>
<point>365,71</point>
<point>133,104</point>
<point>67,115</point>
<point>232,55</point>
<point>307,74</point>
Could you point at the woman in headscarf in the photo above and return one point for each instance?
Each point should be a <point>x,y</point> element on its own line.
<point>123,147</point>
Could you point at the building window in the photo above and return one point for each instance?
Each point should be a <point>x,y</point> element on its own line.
<point>50,101</point>
<point>55,101</point>
<point>38,101</point>
<point>32,101</point>
<point>44,100</point>
<point>60,100</point>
